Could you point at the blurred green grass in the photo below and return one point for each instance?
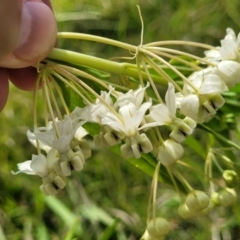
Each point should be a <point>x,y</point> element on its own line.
<point>108,199</point>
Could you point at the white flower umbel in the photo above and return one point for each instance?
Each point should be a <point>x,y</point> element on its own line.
<point>165,114</point>
<point>169,152</point>
<point>48,169</point>
<point>202,102</point>
<point>66,137</point>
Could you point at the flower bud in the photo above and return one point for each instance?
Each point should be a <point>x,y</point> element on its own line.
<point>170,152</point>
<point>184,212</point>
<point>231,178</point>
<point>227,197</point>
<point>215,199</point>
<point>146,236</point>
<point>158,227</point>
<point>197,200</point>
<point>206,210</point>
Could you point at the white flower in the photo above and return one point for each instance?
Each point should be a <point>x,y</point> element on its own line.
<point>39,165</point>
<point>201,103</point>
<point>230,45</point>
<point>32,138</point>
<point>228,50</point>
<point>213,55</point>
<point>165,114</point>
<point>228,71</point>
<point>66,129</point>
<point>128,124</point>
<point>206,82</point>
<point>129,119</point>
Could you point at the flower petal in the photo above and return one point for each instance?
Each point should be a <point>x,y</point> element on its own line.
<point>39,165</point>
<point>189,106</point>
<point>213,84</point>
<point>160,113</point>
<point>170,100</point>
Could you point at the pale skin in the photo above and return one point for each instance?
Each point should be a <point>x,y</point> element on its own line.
<point>27,34</point>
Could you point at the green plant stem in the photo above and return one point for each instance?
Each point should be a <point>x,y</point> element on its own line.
<point>101,64</point>
<point>220,137</point>
<point>89,37</point>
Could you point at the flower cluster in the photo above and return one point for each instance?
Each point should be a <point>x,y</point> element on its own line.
<point>66,151</point>
<point>137,123</point>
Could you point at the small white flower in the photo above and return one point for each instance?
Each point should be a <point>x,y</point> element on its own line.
<point>165,114</point>
<point>195,102</point>
<point>228,50</point>
<point>129,119</point>
<point>230,45</point>
<point>39,165</point>
<point>229,72</point>
<point>66,128</point>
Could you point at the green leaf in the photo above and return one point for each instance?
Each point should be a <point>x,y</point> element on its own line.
<point>92,128</point>
<point>109,231</point>
<point>42,232</point>
<point>67,216</point>
<point>95,214</point>
<point>195,146</point>
<point>71,232</point>
<point>72,99</point>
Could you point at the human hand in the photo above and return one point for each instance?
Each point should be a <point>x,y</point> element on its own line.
<point>27,34</point>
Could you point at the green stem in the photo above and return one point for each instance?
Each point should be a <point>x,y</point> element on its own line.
<point>101,64</point>
<point>220,137</point>
<point>89,37</point>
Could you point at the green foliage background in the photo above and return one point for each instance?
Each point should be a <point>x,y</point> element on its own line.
<point>108,199</point>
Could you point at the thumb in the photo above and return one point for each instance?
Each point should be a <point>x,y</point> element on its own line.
<point>36,38</point>
<point>10,20</point>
